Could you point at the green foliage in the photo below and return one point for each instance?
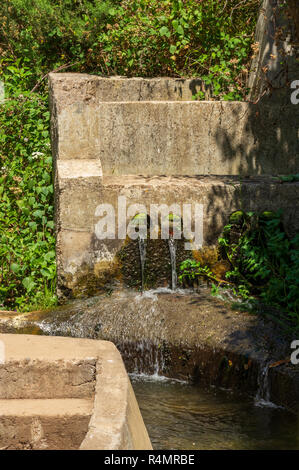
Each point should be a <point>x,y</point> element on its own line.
<point>289,178</point>
<point>191,270</point>
<point>265,262</point>
<point>207,39</point>
<point>27,243</point>
<point>264,267</point>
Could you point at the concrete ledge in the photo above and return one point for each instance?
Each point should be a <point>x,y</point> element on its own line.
<point>79,169</point>
<point>151,127</point>
<point>35,365</point>
<point>94,89</point>
<point>82,257</point>
<point>116,422</point>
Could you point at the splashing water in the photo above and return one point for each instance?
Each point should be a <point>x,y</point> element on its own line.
<point>142,252</point>
<point>172,250</point>
<point>263,394</point>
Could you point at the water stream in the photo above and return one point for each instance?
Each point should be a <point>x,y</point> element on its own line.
<point>172,250</point>
<point>142,252</point>
<point>262,397</point>
<point>145,327</point>
<point>183,417</point>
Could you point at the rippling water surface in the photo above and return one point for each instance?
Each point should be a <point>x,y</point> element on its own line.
<point>180,416</point>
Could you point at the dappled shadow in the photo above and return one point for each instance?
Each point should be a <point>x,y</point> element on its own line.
<point>269,133</point>
<point>266,141</point>
<point>269,138</point>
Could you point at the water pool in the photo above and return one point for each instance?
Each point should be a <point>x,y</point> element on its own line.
<point>181,416</point>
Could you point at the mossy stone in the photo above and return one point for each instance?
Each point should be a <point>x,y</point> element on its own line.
<point>237,218</point>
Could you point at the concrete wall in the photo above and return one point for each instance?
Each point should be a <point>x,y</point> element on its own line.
<point>275,64</point>
<point>145,139</point>
<point>59,392</point>
<point>157,130</point>
<point>82,256</point>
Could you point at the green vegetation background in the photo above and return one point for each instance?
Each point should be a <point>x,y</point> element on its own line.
<point>203,38</point>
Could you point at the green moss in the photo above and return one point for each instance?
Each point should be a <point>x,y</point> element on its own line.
<point>267,215</point>
<point>91,281</point>
<point>174,218</point>
<point>237,218</point>
<point>139,219</point>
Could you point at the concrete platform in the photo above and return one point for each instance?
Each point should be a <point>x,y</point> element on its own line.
<point>64,393</point>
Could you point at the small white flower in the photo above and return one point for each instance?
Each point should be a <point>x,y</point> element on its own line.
<point>35,155</point>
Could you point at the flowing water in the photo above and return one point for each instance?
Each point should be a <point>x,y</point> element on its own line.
<point>142,252</point>
<point>172,250</point>
<point>263,394</point>
<point>183,417</point>
<point>146,327</point>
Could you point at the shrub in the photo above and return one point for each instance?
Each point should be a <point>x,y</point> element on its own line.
<point>265,262</point>
<point>27,243</point>
<point>203,38</point>
<point>264,266</point>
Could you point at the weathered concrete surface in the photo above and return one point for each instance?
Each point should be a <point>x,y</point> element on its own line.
<point>275,64</point>
<point>44,424</point>
<point>189,336</point>
<point>162,132</point>
<point>74,87</point>
<point>145,140</point>
<point>81,256</point>
<point>102,415</point>
<point>40,378</point>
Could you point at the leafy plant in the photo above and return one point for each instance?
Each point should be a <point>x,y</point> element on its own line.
<point>207,39</point>
<point>264,267</point>
<point>191,270</point>
<point>27,243</point>
<point>265,262</point>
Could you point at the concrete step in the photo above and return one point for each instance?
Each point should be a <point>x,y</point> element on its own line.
<point>44,424</point>
<point>46,407</point>
<point>35,379</point>
<point>35,370</point>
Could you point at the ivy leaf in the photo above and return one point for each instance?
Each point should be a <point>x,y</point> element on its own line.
<point>38,214</point>
<point>164,31</point>
<point>15,267</point>
<point>180,30</point>
<point>28,283</point>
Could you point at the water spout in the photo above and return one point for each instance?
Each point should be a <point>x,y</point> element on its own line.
<point>142,252</point>
<point>172,250</point>
<point>263,392</point>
